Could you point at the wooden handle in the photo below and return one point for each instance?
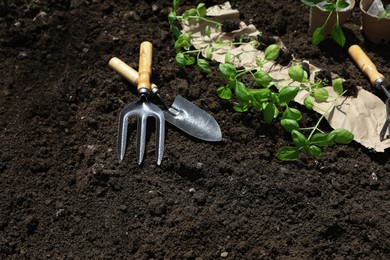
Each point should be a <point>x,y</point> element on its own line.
<point>365,64</point>
<point>145,65</point>
<point>127,72</point>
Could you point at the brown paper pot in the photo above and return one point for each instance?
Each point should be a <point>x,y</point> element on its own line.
<point>376,30</point>
<point>318,16</point>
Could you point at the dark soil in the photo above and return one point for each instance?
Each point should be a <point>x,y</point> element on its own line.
<point>64,195</point>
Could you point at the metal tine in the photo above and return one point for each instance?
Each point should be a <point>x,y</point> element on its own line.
<point>386,126</point>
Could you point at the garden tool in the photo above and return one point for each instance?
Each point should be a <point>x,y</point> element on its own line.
<point>183,114</point>
<point>377,80</point>
<point>142,109</point>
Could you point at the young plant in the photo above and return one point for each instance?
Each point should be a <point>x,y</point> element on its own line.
<point>317,139</point>
<point>331,6</point>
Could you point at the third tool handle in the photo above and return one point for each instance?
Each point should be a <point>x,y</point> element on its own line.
<point>365,64</point>
<point>145,65</point>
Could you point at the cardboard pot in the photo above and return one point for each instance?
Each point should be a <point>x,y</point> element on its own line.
<point>376,30</point>
<point>318,16</point>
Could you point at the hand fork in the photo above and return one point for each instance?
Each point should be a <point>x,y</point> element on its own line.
<point>142,109</point>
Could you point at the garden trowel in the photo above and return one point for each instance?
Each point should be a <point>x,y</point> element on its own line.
<point>182,114</point>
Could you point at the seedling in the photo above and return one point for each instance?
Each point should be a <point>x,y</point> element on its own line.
<point>331,6</point>
<point>261,93</point>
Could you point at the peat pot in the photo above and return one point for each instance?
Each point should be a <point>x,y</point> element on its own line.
<point>376,30</point>
<point>318,16</point>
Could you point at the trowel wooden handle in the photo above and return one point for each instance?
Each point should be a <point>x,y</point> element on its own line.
<point>127,72</point>
<point>145,65</point>
<point>365,64</point>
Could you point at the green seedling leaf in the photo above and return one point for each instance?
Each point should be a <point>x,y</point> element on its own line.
<point>385,13</point>
<point>309,102</point>
<point>342,136</point>
<point>272,52</point>
<point>201,9</point>
<point>175,30</point>
<point>338,86</point>
<point>314,151</point>
<point>203,65</point>
<point>318,35</point>
<point>183,41</point>
<point>171,16</point>
<point>190,12</point>
<point>260,95</point>
<point>184,59</point>
<point>337,35</point>
<point>289,124</point>
<point>299,139</point>
<point>227,58</point>
<point>262,78</point>
<point>259,62</point>
<point>207,31</point>
<point>228,71</point>
<point>269,112</point>
<point>321,94</point>
<point>292,113</point>
<point>311,2</point>
<point>297,73</point>
<point>209,53</point>
<point>288,153</point>
<point>341,4</point>
<point>331,7</point>
<point>241,92</point>
<point>241,107</point>
<point>322,139</point>
<point>176,4</point>
<point>287,94</point>
<point>224,92</point>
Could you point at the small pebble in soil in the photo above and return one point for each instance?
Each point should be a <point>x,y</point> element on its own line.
<point>224,254</point>
<point>199,165</point>
<point>284,170</point>
<point>122,208</point>
<point>154,7</point>
<point>17,24</point>
<point>191,190</point>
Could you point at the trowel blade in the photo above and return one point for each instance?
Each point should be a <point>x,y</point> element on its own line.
<point>194,121</point>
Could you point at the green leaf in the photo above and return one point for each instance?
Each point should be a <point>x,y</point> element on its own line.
<point>318,35</point>
<point>224,92</point>
<point>289,124</point>
<point>297,73</point>
<point>342,136</point>
<point>262,78</point>
<point>183,41</point>
<point>190,12</point>
<point>227,58</point>
<point>207,31</point>
<point>331,7</point>
<point>175,30</point>
<point>314,151</point>
<point>288,153</point>
<point>321,94</point>
<point>272,52</point>
<point>203,65</point>
<point>228,71</point>
<point>172,16</point>
<point>311,2</point>
<point>201,8</point>
<point>184,59</point>
<point>299,139</point>
<point>338,86</point>
<point>309,102</point>
<point>176,4</point>
<point>241,107</point>
<point>292,113</point>
<point>269,112</point>
<point>241,92</point>
<point>209,52</point>
<point>341,4</point>
<point>287,94</point>
<point>337,35</point>
<point>260,95</point>
<point>322,139</point>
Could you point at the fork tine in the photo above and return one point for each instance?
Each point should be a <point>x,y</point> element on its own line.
<point>122,135</point>
<point>386,126</point>
<point>141,136</point>
<point>160,139</point>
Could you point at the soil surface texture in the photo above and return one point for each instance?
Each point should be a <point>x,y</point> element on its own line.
<point>64,195</point>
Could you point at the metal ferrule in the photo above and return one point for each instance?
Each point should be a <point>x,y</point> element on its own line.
<point>143,91</point>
